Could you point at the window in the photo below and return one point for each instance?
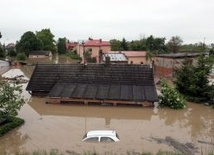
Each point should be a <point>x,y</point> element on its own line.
<point>106,139</point>
<point>92,139</point>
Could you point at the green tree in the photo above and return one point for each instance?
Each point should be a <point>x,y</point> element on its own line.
<point>11,52</point>
<point>124,45</point>
<point>192,80</point>
<point>47,39</point>
<point>138,45</point>
<point>2,52</point>
<point>11,100</point>
<point>174,44</point>
<point>156,45</point>
<point>21,57</point>
<point>115,45</point>
<point>28,42</point>
<point>61,45</point>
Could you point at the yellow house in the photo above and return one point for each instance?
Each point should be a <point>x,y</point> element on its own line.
<point>96,47</point>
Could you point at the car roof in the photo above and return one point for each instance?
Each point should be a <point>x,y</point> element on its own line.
<point>101,133</point>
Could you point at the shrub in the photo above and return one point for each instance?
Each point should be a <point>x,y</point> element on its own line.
<point>12,122</point>
<point>74,55</point>
<point>21,56</point>
<point>171,97</point>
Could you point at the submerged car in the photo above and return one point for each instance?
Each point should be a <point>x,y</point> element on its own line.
<point>101,136</point>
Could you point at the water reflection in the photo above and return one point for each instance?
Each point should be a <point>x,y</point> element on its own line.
<point>13,142</point>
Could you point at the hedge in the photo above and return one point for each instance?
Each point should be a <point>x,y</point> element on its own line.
<point>12,122</point>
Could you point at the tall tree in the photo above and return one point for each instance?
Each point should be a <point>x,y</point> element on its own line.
<point>124,45</point>
<point>61,45</point>
<point>0,35</point>
<point>174,44</point>
<point>2,52</point>
<point>138,45</point>
<point>115,45</point>
<point>47,39</point>
<point>156,45</point>
<point>195,87</point>
<point>27,43</point>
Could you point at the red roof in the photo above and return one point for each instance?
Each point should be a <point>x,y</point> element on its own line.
<point>130,53</point>
<point>70,46</point>
<point>97,42</point>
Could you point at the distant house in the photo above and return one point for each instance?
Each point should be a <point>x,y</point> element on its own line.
<point>40,54</point>
<point>95,47</point>
<point>133,57</point>
<point>115,58</point>
<point>94,84</point>
<point>166,64</point>
<point>71,46</point>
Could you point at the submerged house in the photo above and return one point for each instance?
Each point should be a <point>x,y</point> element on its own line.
<point>111,84</point>
<point>166,64</point>
<point>40,54</point>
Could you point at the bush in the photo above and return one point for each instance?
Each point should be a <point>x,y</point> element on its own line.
<point>12,122</point>
<point>171,97</point>
<point>21,57</point>
<point>74,55</point>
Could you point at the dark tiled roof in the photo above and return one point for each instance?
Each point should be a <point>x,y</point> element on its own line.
<point>104,92</point>
<point>95,81</point>
<point>180,55</point>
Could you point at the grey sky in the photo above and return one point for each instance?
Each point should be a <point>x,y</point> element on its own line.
<point>192,20</point>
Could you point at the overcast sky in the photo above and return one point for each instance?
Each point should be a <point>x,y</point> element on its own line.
<point>192,20</point>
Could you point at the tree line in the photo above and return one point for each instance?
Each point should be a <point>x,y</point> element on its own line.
<point>44,40</point>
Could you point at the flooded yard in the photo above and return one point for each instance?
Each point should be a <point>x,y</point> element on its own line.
<point>62,126</point>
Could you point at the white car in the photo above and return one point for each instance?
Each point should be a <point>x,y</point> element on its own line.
<point>101,136</point>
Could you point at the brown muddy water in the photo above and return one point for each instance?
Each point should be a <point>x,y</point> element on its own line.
<point>62,126</point>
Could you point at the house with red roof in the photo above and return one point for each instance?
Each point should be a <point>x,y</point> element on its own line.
<point>95,46</point>
<point>71,45</point>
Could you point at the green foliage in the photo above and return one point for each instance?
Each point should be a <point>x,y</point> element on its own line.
<point>197,47</point>
<point>21,57</point>
<point>61,45</point>
<point>156,45</point>
<point>74,55</point>
<point>192,80</point>
<point>2,52</point>
<point>174,44</point>
<point>171,97</point>
<point>124,45</point>
<point>47,39</point>
<point>28,42</point>
<point>138,45</point>
<point>12,122</point>
<point>11,100</point>
<point>12,53</point>
<point>115,45</point>
<point>42,40</point>
<point>88,58</point>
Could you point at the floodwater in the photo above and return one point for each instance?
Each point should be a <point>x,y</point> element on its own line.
<point>62,126</point>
